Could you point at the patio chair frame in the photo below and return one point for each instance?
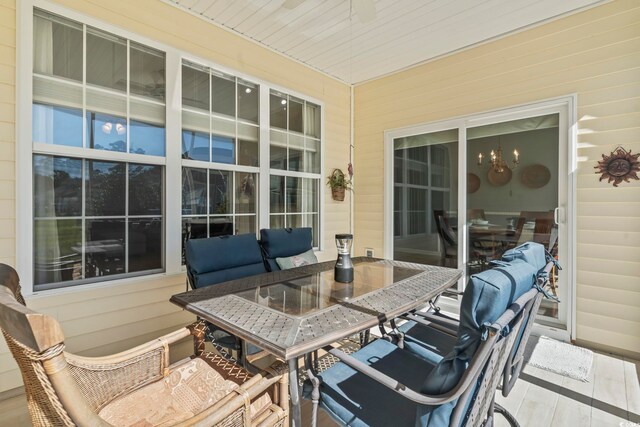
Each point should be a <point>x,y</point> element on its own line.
<point>488,361</point>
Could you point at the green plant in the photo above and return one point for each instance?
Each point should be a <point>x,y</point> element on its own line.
<point>337,179</point>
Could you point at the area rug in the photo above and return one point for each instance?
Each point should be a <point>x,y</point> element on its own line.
<point>562,358</point>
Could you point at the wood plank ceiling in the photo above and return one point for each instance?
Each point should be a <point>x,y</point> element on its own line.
<point>330,35</point>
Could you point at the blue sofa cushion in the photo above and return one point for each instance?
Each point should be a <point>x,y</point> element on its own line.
<point>284,242</point>
<point>218,259</point>
<point>354,399</point>
<point>486,298</point>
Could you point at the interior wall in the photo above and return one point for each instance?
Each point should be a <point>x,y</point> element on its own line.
<point>104,319</point>
<point>594,54</point>
<point>538,147</point>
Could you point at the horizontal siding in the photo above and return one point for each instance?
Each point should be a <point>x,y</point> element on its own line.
<point>7,131</point>
<point>595,54</point>
<point>106,318</point>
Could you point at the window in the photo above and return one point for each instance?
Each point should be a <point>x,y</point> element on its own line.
<point>96,214</point>
<point>294,163</point>
<point>100,163</point>
<point>220,152</point>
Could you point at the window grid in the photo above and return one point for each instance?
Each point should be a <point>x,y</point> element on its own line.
<point>45,86</point>
<point>249,128</point>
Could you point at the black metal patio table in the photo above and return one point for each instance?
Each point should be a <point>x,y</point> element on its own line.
<point>293,312</point>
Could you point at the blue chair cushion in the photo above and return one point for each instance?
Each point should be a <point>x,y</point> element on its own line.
<point>284,242</point>
<point>428,343</point>
<point>354,399</point>
<point>530,252</point>
<point>218,259</point>
<point>486,298</point>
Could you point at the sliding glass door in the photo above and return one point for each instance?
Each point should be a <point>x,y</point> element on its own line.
<point>463,192</point>
<point>513,193</point>
<point>425,198</point>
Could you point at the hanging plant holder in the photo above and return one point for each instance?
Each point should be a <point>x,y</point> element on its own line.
<point>338,184</point>
<point>337,194</point>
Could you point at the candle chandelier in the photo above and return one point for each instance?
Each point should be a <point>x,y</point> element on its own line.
<point>497,162</point>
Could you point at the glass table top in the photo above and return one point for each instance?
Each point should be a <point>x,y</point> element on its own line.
<point>303,295</point>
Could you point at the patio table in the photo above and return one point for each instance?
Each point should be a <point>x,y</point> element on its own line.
<point>293,312</point>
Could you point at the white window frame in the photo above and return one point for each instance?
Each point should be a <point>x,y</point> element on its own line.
<point>566,108</point>
<point>172,161</point>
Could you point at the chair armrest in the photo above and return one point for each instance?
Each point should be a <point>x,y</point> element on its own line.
<point>465,382</point>
<point>126,371</point>
<point>468,378</point>
<point>446,325</point>
<point>274,381</point>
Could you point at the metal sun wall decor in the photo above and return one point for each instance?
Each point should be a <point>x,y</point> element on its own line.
<point>619,166</point>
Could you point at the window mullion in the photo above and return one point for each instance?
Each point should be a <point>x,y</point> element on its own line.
<point>264,192</point>
<point>173,168</point>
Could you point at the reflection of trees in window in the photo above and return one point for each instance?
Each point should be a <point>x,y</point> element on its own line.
<point>194,191</point>
<point>145,190</point>
<point>105,188</point>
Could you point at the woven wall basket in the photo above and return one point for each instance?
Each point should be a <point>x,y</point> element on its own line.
<point>337,194</point>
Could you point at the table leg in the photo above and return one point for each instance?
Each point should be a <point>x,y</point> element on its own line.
<point>294,393</point>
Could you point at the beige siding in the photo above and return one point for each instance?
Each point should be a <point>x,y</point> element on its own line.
<point>106,319</point>
<point>595,54</point>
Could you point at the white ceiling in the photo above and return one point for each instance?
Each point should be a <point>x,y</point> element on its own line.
<point>325,35</point>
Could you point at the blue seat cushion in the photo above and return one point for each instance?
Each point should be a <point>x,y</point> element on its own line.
<point>428,343</point>
<point>354,399</point>
<point>218,259</point>
<point>284,242</point>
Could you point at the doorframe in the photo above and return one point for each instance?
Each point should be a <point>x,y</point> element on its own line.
<point>566,107</point>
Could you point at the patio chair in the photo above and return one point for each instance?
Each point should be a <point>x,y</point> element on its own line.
<point>382,384</point>
<point>432,335</point>
<point>219,259</point>
<point>280,243</point>
<point>134,387</point>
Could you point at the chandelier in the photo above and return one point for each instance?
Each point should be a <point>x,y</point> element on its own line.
<point>496,161</point>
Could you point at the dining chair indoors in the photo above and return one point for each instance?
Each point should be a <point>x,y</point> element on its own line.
<point>447,237</point>
<point>135,387</point>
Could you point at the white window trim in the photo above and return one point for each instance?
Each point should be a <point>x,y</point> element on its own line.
<point>172,161</point>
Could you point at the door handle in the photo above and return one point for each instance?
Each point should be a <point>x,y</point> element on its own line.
<point>556,215</point>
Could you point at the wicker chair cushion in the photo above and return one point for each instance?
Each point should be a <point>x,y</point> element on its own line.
<point>284,242</point>
<point>188,390</point>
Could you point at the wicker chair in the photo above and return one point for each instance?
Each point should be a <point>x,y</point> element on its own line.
<point>137,386</point>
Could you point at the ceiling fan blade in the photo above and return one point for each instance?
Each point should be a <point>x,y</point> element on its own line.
<point>365,10</point>
<point>291,4</point>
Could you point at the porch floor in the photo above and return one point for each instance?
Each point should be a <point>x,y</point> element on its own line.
<point>540,398</point>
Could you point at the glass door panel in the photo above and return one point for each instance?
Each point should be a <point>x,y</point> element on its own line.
<point>512,192</point>
<point>426,198</point>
